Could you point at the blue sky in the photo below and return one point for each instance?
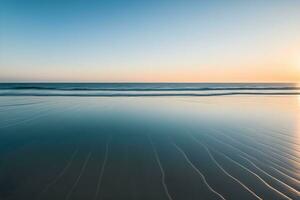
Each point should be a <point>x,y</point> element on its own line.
<point>123,40</point>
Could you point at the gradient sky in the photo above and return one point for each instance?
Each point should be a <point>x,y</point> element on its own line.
<point>150,41</point>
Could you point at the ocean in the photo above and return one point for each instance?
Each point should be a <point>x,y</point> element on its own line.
<point>153,141</point>
<point>146,89</point>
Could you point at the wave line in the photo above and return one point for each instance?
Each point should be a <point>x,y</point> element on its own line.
<point>161,169</point>
<point>79,176</point>
<point>102,167</point>
<point>198,171</point>
<point>225,172</point>
<point>60,175</point>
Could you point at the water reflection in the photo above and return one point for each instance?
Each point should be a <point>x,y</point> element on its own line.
<point>238,147</point>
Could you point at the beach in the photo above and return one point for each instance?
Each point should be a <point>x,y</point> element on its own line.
<point>238,146</point>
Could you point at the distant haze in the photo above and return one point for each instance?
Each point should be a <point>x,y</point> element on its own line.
<point>149,41</point>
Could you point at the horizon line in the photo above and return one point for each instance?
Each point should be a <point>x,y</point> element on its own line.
<point>137,82</point>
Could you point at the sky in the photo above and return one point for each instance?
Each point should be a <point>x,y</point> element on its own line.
<point>149,41</point>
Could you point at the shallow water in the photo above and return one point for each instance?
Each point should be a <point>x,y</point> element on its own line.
<point>180,147</point>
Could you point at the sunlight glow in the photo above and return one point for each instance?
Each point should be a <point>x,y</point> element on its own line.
<point>297,63</point>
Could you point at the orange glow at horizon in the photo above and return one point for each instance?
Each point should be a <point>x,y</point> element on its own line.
<point>285,68</point>
<point>173,76</point>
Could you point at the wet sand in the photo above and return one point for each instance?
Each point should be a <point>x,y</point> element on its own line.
<point>108,148</point>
